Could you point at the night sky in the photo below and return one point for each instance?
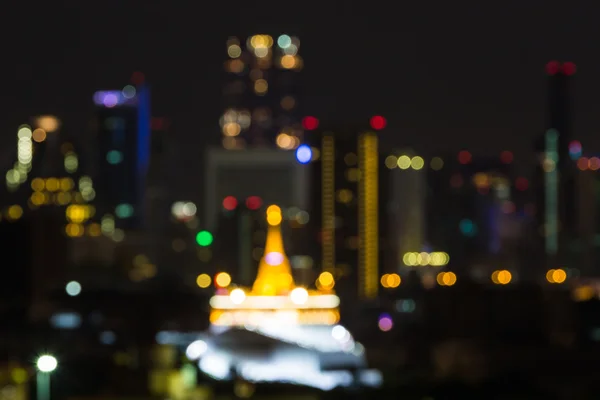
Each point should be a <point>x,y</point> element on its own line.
<point>446,74</point>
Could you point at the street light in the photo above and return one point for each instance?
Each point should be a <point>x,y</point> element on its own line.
<point>45,365</point>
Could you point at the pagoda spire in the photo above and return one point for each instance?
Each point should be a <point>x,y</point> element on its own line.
<point>274,276</point>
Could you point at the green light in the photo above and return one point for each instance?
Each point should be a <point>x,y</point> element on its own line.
<point>204,238</point>
<point>124,210</point>
<point>114,157</point>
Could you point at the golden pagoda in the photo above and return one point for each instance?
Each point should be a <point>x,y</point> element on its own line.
<point>274,297</point>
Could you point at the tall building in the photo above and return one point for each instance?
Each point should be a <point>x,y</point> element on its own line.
<point>407,206</point>
<point>346,206</point>
<point>555,173</point>
<point>261,104</point>
<point>454,212</point>
<point>238,184</point>
<point>123,137</point>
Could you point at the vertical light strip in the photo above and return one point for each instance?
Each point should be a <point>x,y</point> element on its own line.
<point>551,189</point>
<point>368,216</point>
<point>328,202</point>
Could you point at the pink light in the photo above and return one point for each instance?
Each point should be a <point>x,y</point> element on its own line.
<point>274,259</point>
<point>110,100</point>
<point>385,323</point>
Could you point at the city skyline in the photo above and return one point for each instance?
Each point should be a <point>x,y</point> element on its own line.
<point>181,63</point>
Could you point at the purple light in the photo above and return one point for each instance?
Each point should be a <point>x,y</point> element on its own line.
<point>108,98</point>
<point>385,322</point>
<point>274,259</point>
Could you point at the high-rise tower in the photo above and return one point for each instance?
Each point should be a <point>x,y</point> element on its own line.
<point>123,129</point>
<point>558,226</point>
<point>261,93</point>
<point>346,205</point>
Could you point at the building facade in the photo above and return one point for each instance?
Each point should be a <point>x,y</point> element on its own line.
<point>261,93</point>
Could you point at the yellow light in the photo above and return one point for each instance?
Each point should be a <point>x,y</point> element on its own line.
<point>384,280</point>
<point>404,162</point>
<point>52,184</point>
<point>328,203</point>
<point>38,198</point>
<point>203,281</point>
<point>274,215</point>
<point>63,198</point>
<point>584,293</point>
<point>74,230</point>
<point>38,184</point>
<point>288,61</point>
<point>446,278</point>
<point>502,277</point>
<point>39,135</point>
<point>558,276</point>
<point>326,280</point>
<point>94,230</point>
<point>66,184</point>
<point>285,141</point>
<point>393,281</point>
<point>231,129</point>
<point>48,123</point>
<point>417,163</point>
<point>15,212</point>
<point>223,279</point>
<point>77,213</point>
<point>368,215</point>
<point>261,87</point>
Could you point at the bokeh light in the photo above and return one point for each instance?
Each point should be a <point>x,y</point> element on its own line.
<point>303,154</point>
<point>385,323</point>
<point>204,238</point>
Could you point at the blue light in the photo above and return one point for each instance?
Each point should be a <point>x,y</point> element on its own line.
<point>304,154</point>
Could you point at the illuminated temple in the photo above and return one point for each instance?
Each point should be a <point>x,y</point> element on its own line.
<point>274,298</point>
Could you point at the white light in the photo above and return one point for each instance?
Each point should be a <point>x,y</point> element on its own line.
<point>196,350</point>
<point>46,363</point>
<point>73,288</point>
<point>215,365</point>
<point>237,296</point>
<point>326,301</point>
<point>340,333</point>
<point>299,296</point>
<point>274,258</point>
<point>189,209</point>
<point>24,133</point>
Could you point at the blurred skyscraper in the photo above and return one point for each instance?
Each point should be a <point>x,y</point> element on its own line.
<point>346,205</point>
<point>123,153</point>
<point>555,175</point>
<point>261,104</point>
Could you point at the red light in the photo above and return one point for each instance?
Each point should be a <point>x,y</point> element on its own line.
<point>137,78</point>
<point>552,67</point>
<point>253,202</point>
<point>378,122</point>
<point>569,68</point>
<point>157,123</point>
<point>464,157</point>
<point>583,163</point>
<point>230,203</point>
<point>522,184</point>
<point>506,157</point>
<point>310,123</point>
